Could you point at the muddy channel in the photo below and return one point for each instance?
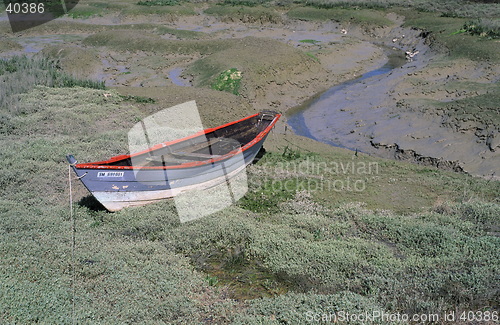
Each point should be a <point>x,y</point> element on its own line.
<point>359,115</point>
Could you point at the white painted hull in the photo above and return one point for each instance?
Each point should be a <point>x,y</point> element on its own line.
<point>115,201</point>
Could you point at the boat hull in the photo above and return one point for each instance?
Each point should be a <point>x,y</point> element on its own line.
<point>117,188</point>
<point>115,201</point>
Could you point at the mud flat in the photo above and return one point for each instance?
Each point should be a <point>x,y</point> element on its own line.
<point>285,65</point>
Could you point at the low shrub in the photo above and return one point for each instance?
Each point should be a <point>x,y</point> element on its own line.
<point>484,215</point>
<point>297,308</point>
<point>483,27</point>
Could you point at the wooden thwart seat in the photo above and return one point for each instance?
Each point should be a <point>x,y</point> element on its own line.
<point>194,155</point>
<point>160,160</point>
<point>191,151</point>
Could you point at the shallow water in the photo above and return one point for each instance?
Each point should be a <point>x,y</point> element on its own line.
<point>34,44</point>
<point>361,115</point>
<point>300,120</point>
<point>175,76</point>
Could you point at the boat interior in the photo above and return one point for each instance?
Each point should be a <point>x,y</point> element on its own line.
<point>210,145</point>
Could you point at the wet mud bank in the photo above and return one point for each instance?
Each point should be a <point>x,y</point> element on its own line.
<point>395,152</point>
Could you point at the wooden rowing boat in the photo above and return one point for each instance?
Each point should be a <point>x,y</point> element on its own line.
<point>199,161</point>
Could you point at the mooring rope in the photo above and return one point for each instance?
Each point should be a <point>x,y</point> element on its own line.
<point>73,244</point>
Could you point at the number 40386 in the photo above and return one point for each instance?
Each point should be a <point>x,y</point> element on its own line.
<point>479,316</point>
<point>25,8</point>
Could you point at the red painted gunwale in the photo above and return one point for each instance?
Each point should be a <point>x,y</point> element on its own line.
<point>258,137</point>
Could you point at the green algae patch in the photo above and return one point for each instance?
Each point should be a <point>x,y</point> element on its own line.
<point>229,80</point>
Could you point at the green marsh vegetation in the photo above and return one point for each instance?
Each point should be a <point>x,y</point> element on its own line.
<point>422,240</point>
<point>142,265</point>
<point>152,29</point>
<point>169,9</point>
<point>309,41</point>
<point>84,12</point>
<point>446,32</point>
<point>306,251</point>
<point>489,28</point>
<point>245,13</point>
<point>229,80</point>
<point>21,74</point>
<point>366,17</point>
<point>9,45</point>
<point>248,3</point>
<point>314,57</point>
<point>158,3</point>
<point>135,40</point>
<point>139,99</point>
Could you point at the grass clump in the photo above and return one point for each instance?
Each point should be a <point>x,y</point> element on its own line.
<point>228,80</point>
<point>489,28</point>
<point>139,99</point>
<point>485,215</point>
<point>267,198</point>
<point>459,45</point>
<point>356,4</point>
<point>312,56</point>
<point>246,14</point>
<point>107,5</point>
<point>20,74</point>
<point>465,9</point>
<point>310,41</point>
<point>248,3</point>
<point>362,16</point>
<point>299,308</point>
<point>167,8</point>
<point>87,10</point>
<point>9,45</point>
<point>150,3</point>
